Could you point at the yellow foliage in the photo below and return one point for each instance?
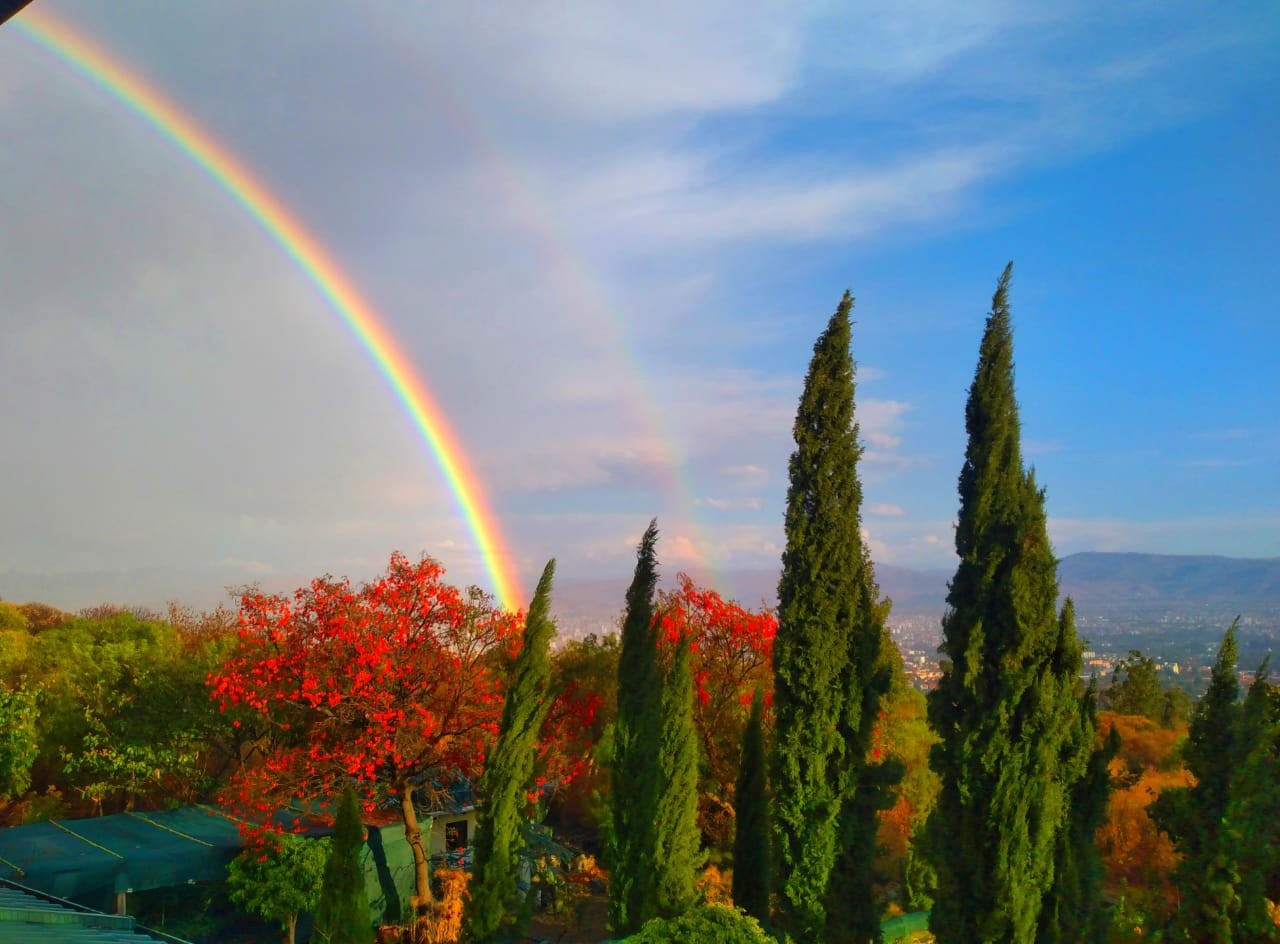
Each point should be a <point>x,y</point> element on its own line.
<point>444,926</point>
<point>716,886</point>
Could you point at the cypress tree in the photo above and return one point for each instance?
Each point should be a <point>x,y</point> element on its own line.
<point>1253,815</point>
<point>1074,912</point>
<point>673,855</point>
<point>508,772</point>
<point>631,887</point>
<point>819,653</point>
<point>342,917</point>
<point>1193,816</point>
<point>752,835</point>
<point>1006,708</point>
<point>853,915</point>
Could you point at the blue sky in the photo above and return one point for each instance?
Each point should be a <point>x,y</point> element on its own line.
<point>608,242</point>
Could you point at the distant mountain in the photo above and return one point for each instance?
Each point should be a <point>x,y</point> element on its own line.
<point>1141,579</point>
<point>1098,582</point>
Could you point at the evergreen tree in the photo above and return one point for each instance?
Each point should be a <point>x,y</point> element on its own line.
<point>342,917</point>
<point>853,915</point>
<point>1193,816</point>
<point>1074,912</point>
<point>673,856</point>
<point>1006,708</point>
<point>509,771</point>
<point>1253,814</point>
<point>631,887</point>
<point>820,653</point>
<point>751,864</point>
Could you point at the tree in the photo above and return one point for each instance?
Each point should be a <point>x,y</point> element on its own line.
<point>342,916</point>
<point>390,686</point>
<point>819,653</point>
<point>1135,687</point>
<point>1252,824</point>
<point>1074,911</point>
<point>1006,708</point>
<point>277,876</point>
<point>751,865</point>
<point>674,855</point>
<point>18,741</point>
<point>732,648</point>
<point>508,772</point>
<point>702,926</point>
<point>631,891</point>
<point>1193,816</point>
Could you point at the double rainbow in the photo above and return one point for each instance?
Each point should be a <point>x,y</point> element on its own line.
<point>107,73</point>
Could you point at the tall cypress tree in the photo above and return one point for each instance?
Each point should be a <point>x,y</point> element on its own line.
<point>342,917</point>
<point>509,770</point>
<point>853,915</point>
<point>631,885</point>
<point>1252,827</point>
<point>752,835</point>
<point>1006,708</point>
<point>1193,816</point>
<point>674,855</point>
<point>822,614</point>
<point>1074,911</point>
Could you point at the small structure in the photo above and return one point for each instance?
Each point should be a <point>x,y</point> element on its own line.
<point>28,916</point>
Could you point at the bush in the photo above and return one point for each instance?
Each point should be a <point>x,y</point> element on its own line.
<point>701,925</point>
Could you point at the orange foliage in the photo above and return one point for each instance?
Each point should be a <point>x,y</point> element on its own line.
<point>445,924</point>
<point>1134,852</point>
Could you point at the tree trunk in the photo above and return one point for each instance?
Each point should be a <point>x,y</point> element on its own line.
<point>290,927</point>
<point>421,872</point>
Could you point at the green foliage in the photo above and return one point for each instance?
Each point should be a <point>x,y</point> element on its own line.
<point>852,912</point>
<point>1227,826</point>
<point>674,855</point>
<point>635,746</point>
<point>342,914</point>
<point>1074,912</point>
<point>278,876</point>
<point>1192,816</point>
<point>1006,709</point>
<point>824,653</point>
<point>712,923</point>
<point>125,715</point>
<point>752,877</point>
<point>1135,687</point>
<point>18,741</point>
<point>1252,828</point>
<point>508,773</point>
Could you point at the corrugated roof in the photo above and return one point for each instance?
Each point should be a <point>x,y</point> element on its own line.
<point>28,917</point>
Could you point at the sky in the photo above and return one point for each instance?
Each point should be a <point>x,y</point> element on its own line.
<point>607,237</point>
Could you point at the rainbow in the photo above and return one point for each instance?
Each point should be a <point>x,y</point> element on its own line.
<point>105,72</point>
<point>582,292</point>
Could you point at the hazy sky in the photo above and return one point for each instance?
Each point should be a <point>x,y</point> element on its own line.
<point>607,235</point>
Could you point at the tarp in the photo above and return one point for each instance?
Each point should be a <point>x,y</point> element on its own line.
<point>91,860</point>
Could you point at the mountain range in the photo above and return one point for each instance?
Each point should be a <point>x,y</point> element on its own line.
<point>1097,582</point>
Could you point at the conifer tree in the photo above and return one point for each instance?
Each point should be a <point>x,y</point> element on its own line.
<point>753,835</point>
<point>509,771</point>
<point>853,915</point>
<point>342,916</point>
<point>1006,709</point>
<point>1193,816</point>
<point>1074,911</point>
<point>819,654</point>
<point>631,887</point>
<point>1252,828</point>
<point>674,855</point>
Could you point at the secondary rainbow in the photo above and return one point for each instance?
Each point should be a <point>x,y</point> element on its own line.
<point>105,72</point>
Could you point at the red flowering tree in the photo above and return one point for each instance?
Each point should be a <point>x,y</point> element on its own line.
<point>389,687</point>
<point>732,650</point>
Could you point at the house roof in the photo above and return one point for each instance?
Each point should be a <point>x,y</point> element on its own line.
<point>29,917</point>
